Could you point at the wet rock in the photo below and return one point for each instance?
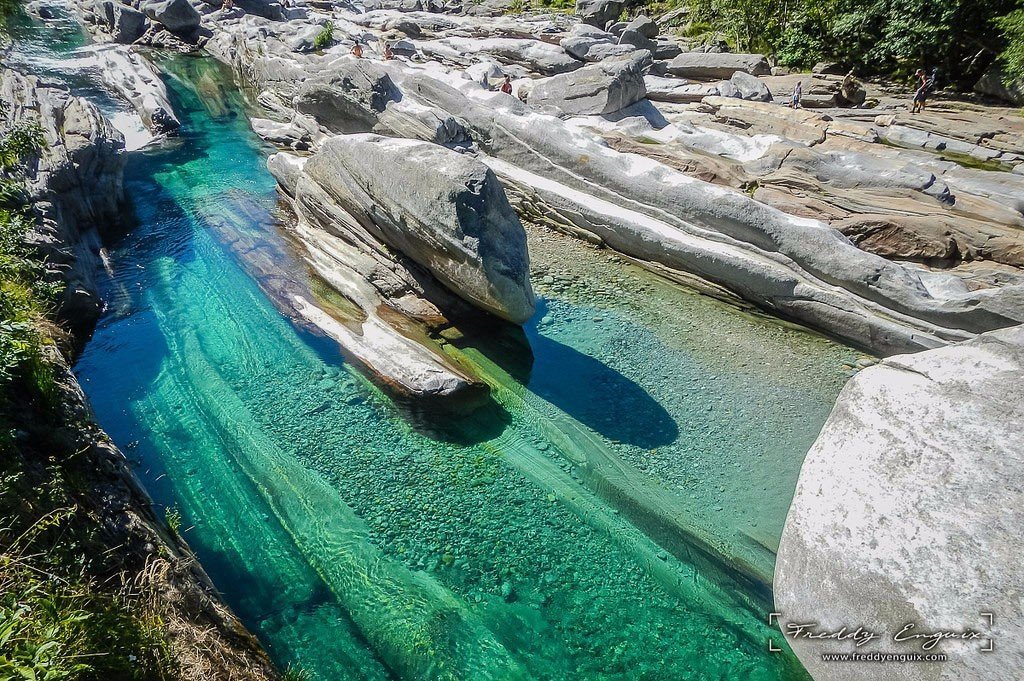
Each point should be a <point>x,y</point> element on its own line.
<point>717,65</point>
<point>602,88</point>
<point>914,469</point>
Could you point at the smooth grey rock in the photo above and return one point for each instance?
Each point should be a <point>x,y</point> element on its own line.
<point>593,49</point>
<point>598,12</point>
<point>602,88</point>
<point>745,86</point>
<point>643,25</point>
<point>814,273</point>
<point>909,508</point>
<point>128,24</point>
<point>348,99</point>
<point>664,49</point>
<point>137,80</point>
<point>992,83</point>
<point>637,40</point>
<point>678,90</point>
<point>177,16</point>
<point>717,65</point>
<point>443,210</point>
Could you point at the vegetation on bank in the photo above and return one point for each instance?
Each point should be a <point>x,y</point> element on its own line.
<point>962,38</point>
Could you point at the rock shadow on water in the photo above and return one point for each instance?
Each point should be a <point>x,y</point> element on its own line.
<point>583,387</point>
<point>595,394</point>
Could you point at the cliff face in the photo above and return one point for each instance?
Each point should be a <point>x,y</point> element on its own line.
<point>75,189</point>
<point>909,510</point>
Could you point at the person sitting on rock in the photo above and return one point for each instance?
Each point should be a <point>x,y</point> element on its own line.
<point>357,50</point>
<point>922,91</point>
<point>228,4</point>
<point>506,85</point>
<point>798,93</point>
<point>388,53</point>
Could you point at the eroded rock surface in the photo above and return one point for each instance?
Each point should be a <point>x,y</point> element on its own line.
<point>909,509</point>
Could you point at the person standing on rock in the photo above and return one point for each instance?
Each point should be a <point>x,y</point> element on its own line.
<point>922,92</point>
<point>798,93</point>
<point>388,53</point>
<point>506,85</point>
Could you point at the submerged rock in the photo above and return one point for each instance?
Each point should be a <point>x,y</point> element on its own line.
<point>909,509</point>
<point>602,88</point>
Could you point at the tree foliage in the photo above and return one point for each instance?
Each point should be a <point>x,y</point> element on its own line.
<point>1012,57</point>
<point>873,36</point>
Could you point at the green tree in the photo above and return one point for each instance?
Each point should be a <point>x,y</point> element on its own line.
<point>1012,58</point>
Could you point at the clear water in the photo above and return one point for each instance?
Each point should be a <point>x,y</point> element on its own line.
<point>610,515</point>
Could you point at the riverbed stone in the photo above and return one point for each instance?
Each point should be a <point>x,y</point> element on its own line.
<point>348,99</point>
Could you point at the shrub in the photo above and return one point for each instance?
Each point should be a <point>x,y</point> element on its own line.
<point>325,38</point>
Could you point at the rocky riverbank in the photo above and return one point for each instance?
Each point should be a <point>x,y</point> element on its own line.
<point>811,202</point>
<point>75,191</point>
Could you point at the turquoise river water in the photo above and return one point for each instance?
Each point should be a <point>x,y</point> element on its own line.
<point>612,513</point>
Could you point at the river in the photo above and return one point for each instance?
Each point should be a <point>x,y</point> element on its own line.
<point>611,513</point>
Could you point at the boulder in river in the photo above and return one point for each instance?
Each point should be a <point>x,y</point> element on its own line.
<point>602,88</point>
<point>443,210</point>
<point>720,65</point>
<point>909,509</point>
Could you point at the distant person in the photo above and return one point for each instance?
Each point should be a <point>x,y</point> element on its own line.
<point>506,85</point>
<point>357,50</point>
<point>921,94</point>
<point>798,93</point>
<point>228,4</point>
<point>388,52</point>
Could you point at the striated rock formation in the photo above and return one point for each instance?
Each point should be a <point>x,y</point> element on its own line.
<point>74,186</point>
<point>909,509</point>
<point>443,210</point>
<point>398,227</point>
<point>138,82</point>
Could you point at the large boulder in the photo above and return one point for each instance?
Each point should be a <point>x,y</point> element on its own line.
<point>350,98</point>
<point>177,16</point>
<point>443,210</point>
<point>745,86</point>
<point>602,88</point>
<point>589,48</point>
<point>993,84</point>
<point>910,510</point>
<point>717,65</point>
<point>599,12</point>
